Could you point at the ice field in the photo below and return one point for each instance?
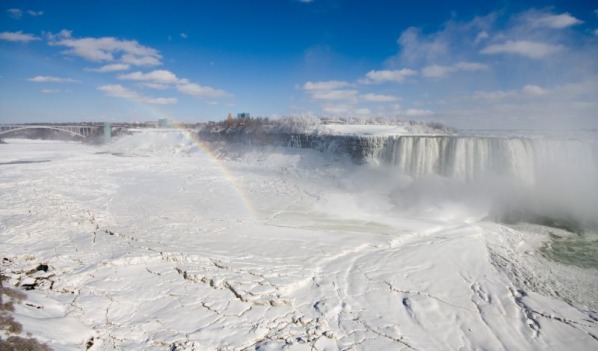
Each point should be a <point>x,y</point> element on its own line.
<point>156,243</point>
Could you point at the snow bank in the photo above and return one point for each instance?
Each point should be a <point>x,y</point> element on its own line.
<point>159,252</point>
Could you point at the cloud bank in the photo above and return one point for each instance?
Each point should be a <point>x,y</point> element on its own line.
<point>534,69</point>
<point>50,79</point>
<point>164,79</point>
<point>106,49</point>
<point>117,90</point>
<point>18,37</point>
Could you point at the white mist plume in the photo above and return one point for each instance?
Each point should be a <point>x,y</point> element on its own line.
<point>149,143</point>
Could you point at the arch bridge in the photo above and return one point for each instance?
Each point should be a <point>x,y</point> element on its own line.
<point>82,131</point>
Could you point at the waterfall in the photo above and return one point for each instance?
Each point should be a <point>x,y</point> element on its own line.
<point>468,158</point>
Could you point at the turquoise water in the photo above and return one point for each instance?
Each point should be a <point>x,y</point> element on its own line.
<point>580,250</point>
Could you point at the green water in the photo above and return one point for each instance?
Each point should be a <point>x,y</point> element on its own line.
<point>579,250</point>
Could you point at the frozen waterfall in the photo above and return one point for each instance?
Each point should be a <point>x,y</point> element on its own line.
<point>469,158</point>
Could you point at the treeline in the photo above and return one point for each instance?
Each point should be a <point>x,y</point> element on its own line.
<point>308,123</point>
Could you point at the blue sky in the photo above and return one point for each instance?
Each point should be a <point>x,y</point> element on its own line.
<point>472,64</point>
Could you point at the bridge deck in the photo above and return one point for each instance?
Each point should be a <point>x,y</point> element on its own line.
<point>83,130</point>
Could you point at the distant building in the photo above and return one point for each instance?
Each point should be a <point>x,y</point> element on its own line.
<point>163,122</point>
<point>243,115</point>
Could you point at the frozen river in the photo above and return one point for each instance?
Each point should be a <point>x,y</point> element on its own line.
<point>152,243</point>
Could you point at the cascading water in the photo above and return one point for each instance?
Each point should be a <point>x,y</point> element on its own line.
<point>545,180</point>
<point>468,158</point>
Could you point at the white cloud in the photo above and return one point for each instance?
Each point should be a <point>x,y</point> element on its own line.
<point>527,91</point>
<point>160,101</point>
<point>334,95</point>
<point>200,91</point>
<point>379,98</point>
<point>481,36</point>
<point>335,100</point>
<point>50,79</point>
<point>141,60</point>
<point>533,90</point>
<point>18,13</point>
<point>331,91</point>
<point>184,35</point>
<point>65,33</point>
<point>15,13</point>
<point>564,20</point>
<point>454,41</point>
<point>395,108</point>
<point>493,95</point>
<point>336,109</point>
<point>35,13</point>
<point>18,37</point>
<point>156,86</point>
<point>119,91</point>
<point>50,91</point>
<point>164,79</point>
<point>416,48</point>
<point>528,61</point>
<point>383,76</point>
<point>113,67</point>
<point>571,106</point>
<point>325,85</point>
<point>306,1</point>
<point>363,112</point>
<point>107,49</point>
<point>585,89</point>
<point>525,48</point>
<point>414,112</point>
<point>470,66</point>
<point>157,76</point>
<point>437,71</point>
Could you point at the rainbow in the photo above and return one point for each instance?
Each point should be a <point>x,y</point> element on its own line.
<point>155,113</point>
<point>229,176</point>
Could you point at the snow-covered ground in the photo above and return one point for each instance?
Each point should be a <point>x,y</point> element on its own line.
<point>153,244</point>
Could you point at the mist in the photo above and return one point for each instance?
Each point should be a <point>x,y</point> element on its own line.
<point>548,180</point>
